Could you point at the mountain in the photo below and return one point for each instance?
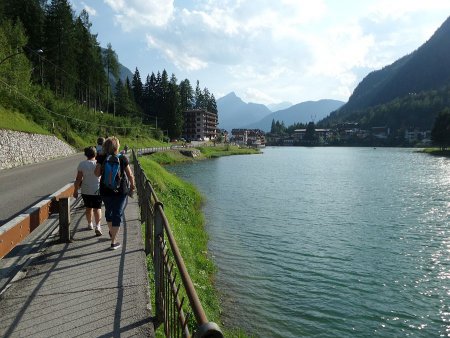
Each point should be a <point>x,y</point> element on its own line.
<point>124,72</point>
<point>235,113</point>
<point>279,106</point>
<point>425,70</point>
<point>299,113</point>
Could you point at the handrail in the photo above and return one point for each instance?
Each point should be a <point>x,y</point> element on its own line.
<point>170,307</point>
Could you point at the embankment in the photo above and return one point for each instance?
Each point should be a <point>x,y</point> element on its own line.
<point>19,148</point>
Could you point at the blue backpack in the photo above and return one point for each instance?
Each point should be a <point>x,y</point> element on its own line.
<point>111,172</point>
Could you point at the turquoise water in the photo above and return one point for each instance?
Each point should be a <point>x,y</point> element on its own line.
<point>330,242</point>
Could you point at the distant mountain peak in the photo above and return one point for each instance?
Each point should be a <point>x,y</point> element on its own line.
<point>235,113</point>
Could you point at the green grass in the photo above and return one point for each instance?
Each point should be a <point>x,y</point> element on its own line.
<point>437,152</point>
<point>40,111</point>
<point>226,150</point>
<point>15,121</point>
<point>170,157</point>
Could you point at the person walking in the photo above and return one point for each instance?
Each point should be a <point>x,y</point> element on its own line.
<point>114,199</point>
<point>99,146</point>
<point>90,184</point>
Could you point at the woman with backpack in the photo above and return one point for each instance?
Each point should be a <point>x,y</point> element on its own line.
<point>116,182</point>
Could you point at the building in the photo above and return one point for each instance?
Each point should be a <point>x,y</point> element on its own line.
<point>299,134</point>
<point>199,124</point>
<point>415,135</point>
<point>249,137</point>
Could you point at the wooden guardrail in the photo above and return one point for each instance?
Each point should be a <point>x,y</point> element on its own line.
<point>172,281</point>
<point>17,229</point>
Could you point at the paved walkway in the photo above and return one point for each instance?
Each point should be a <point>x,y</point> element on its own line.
<point>79,289</point>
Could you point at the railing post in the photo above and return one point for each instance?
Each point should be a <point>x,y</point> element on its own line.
<point>64,220</point>
<point>158,263</point>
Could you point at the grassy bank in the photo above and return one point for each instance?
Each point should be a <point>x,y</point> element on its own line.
<point>10,120</point>
<point>437,152</point>
<point>226,150</point>
<point>44,113</point>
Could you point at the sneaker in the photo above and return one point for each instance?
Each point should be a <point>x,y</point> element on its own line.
<point>98,231</point>
<point>91,227</point>
<point>115,246</point>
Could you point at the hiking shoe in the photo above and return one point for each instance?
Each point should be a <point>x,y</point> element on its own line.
<point>115,246</point>
<point>90,226</point>
<point>98,231</point>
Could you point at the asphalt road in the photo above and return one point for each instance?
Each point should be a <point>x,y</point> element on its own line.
<point>23,187</point>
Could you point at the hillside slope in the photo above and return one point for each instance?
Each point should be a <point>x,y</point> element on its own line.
<point>426,68</point>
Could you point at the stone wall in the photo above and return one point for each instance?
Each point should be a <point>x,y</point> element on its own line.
<point>18,148</point>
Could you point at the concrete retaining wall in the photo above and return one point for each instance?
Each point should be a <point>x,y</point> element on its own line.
<point>18,148</point>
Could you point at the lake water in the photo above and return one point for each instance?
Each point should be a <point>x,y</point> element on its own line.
<point>330,242</point>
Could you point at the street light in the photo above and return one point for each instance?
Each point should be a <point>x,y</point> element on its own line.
<point>39,51</point>
<point>22,50</point>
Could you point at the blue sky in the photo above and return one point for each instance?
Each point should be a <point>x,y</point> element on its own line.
<point>265,51</point>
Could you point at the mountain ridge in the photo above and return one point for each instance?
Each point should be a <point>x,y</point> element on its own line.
<point>235,113</point>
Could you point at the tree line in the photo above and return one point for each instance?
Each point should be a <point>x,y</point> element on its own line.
<point>59,52</point>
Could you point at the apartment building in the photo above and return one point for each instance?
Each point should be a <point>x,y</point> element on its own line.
<point>199,124</point>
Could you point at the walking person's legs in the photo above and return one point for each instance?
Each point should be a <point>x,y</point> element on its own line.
<point>108,202</point>
<point>117,215</point>
<point>89,218</point>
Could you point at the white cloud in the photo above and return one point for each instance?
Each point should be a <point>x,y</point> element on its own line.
<point>179,57</point>
<point>91,11</point>
<point>132,14</point>
<point>280,50</point>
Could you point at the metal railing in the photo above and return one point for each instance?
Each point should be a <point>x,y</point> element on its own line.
<point>172,281</point>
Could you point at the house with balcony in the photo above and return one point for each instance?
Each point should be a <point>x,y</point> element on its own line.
<point>249,137</point>
<point>199,125</point>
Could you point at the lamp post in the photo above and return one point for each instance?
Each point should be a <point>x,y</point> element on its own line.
<point>39,52</point>
<point>22,50</point>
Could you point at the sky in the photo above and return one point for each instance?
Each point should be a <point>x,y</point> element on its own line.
<point>263,50</point>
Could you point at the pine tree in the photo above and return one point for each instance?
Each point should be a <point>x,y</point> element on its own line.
<point>186,95</point>
<point>138,90</point>
<point>59,48</point>
<point>212,105</point>
<point>199,102</point>
<point>90,72</point>
<point>32,16</point>
<point>173,109</point>
<point>111,63</point>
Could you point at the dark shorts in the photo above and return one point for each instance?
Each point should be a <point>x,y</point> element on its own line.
<point>92,201</point>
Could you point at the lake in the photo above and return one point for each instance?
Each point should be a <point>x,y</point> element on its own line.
<point>329,242</point>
